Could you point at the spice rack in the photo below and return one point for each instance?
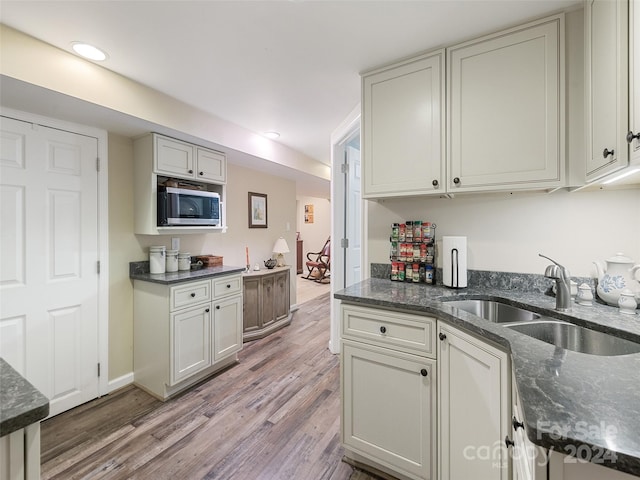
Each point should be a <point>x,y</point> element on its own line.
<point>413,252</point>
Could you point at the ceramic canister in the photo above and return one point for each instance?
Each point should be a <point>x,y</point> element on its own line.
<point>156,259</point>
<point>172,261</point>
<point>184,261</point>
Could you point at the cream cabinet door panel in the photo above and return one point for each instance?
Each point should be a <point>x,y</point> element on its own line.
<point>506,112</point>
<point>606,86</point>
<point>634,81</point>
<point>190,341</point>
<point>474,408</point>
<point>403,126</point>
<point>173,158</point>
<point>389,408</point>
<point>227,327</point>
<point>212,166</point>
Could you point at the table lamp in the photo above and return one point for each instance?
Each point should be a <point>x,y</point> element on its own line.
<point>280,248</point>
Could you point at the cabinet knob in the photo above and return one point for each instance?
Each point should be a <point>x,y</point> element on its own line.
<point>508,442</point>
<point>383,329</point>
<point>201,173</point>
<point>217,307</point>
<point>434,183</point>
<point>424,372</point>
<point>228,286</point>
<point>442,336</point>
<point>190,171</point>
<point>206,310</point>
<point>606,152</point>
<point>516,424</point>
<point>456,180</point>
<point>631,136</point>
<point>193,295</point>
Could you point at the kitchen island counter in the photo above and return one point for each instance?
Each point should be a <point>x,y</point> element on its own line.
<point>570,399</point>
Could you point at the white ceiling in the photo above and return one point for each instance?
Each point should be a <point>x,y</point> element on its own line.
<point>291,66</point>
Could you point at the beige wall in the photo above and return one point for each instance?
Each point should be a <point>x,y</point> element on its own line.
<point>126,247</point>
<point>507,231</point>
<point>314,234</point>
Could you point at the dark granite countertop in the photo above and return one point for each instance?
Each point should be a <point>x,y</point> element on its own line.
<point>21,404</point>
<point>569,399</point>
<point>140,271</point>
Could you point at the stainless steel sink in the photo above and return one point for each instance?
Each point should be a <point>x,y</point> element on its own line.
<point>574,337</point>
<point>494,311</point>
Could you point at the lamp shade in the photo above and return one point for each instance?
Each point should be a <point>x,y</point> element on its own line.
<point>281,246</point>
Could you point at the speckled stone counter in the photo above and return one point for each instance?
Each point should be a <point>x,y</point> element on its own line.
<point>21,404</point>
<point>140,271</point>
<point>569,399</point>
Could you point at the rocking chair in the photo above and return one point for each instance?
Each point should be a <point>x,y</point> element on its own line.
<point>319,263</point>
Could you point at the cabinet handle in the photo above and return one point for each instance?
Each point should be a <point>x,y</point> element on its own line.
<point>228,286</point>
<point>606,152</point>
<point>383,329</point>
<point>424,372</point>
<point>206,310</point>
<point>631,136</point>
<point>193,295</point>
<point>434,183</point>
<point>442,336</point>
<point>516,424</point>
<point>508,442</point>
<point>456,180</point>
<point>190,171</point>
<point>201,173</point>
<point>217,307</point>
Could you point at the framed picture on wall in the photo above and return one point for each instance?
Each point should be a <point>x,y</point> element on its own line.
<point>257,210</point>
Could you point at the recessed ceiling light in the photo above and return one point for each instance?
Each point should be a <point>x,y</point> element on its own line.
<point>88,51</point>
<point>271,135</point>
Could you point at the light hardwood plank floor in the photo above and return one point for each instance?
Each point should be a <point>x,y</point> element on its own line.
<point>274,415</point>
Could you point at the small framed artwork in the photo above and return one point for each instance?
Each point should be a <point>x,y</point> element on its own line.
<point>257,210</point>
<point>308,214</point>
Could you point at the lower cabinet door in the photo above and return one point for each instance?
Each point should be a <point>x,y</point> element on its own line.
<point>227,327</point>
<point>474,408</point>
<point>389,405</point>
<point>190,341</point>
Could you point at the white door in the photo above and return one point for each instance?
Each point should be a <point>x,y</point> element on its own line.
<point>352,216</point>
<point>48,260</point>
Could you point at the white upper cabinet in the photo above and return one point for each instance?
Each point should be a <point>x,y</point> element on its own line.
<point>174,158</point>
<point>633,136</point>
<point>403,128</point>
<point>606,87</point>
<point>505,100</point>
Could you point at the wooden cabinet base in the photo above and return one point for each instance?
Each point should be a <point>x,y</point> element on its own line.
<point>263,332</point>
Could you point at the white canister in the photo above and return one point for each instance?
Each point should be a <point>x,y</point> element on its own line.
<point>156,259</point>
<point>172,261</point>
<point>627,302</point>
<point>184,261</point>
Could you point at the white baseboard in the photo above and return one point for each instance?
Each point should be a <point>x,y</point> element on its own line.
<point>120,382</point>
<point>294,307</point>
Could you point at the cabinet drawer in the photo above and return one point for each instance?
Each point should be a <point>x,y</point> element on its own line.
<point>227,286</point>
<point>190,293</point>
<point>414,333</point>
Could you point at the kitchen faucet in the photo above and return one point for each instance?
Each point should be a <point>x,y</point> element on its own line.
<point>563,284</point>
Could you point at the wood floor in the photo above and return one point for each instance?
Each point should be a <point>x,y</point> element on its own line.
<point>274,415</point>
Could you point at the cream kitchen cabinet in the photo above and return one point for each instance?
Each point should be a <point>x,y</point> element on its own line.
<point>633,135</point>
<point>178,159</point>
<point>158,158</point>
<point>388,384</point>
<point>505,110</point>
<point>606,86</point>
<point>474,407</point>
<point>185,332</point>
<point>403,127</point>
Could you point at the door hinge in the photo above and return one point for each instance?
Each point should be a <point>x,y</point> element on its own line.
<point>98,266</point>
<point>344,243</point>
<point>98,369</point>
<point>97,164</point>
<point>344,168</point>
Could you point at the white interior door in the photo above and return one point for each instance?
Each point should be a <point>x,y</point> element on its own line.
<point>49,260</point>
<point>353,199</point>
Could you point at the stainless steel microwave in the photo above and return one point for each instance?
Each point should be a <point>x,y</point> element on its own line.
<point>187,207</point>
